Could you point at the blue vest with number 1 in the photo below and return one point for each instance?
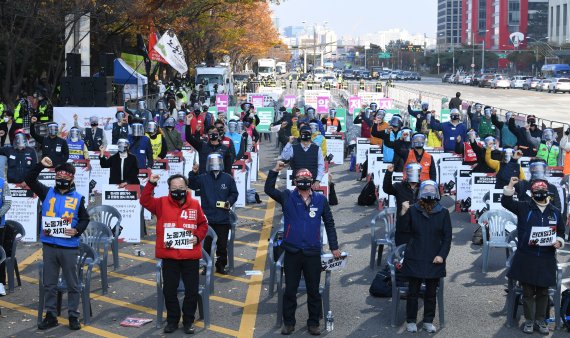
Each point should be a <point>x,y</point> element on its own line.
<point>58,206</point>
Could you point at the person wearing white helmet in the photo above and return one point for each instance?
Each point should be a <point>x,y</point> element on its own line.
<point>548,147</point>
<point>172,137</point>
<point>123,164</point>
<point>20,158</point>
<point>429,225</point>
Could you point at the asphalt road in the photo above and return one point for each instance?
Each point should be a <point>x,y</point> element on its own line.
<point>241,306</point>
<point>542,104</point>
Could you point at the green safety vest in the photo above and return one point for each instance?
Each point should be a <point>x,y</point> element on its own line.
<point>486,128</point>
<point>42,112</point>
<point>2,108</point>
<point>17,117</point>
<point>550,155</point>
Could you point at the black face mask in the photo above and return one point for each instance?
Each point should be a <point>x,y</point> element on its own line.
<point>540,195</point>
<point>213,137</point>
<point>305,137</point>
<point>455,117</point>
<point>94,124</point>
<point>62,184</point>
<point>178,194</point>
<point>304,185</point>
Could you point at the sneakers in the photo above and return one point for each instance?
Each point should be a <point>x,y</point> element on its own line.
<point>2,290</point>
<point>411,327</point>
<point>314,331</point>
<point>48,322</point>
<point>171,327</point>
<point>528,327</point>
<point>189,329</point>
<point>287,330</point>
<point>429,327</point>
<point>74,323</point>
<point>542,327</point>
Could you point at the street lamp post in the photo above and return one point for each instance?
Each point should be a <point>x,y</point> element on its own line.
<point>473,52</point>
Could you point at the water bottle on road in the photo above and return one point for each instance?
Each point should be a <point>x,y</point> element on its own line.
<point>330,321</point>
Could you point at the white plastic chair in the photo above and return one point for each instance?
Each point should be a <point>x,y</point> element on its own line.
<point>495,221</point>
<point>377,241</point>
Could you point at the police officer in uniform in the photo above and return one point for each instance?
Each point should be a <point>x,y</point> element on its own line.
<point>63,209</point>
<point>45,109</point>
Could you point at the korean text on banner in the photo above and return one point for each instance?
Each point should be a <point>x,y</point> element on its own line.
<point>169,48</point>
<point>239,172</point>
<point>322,104</point>
<point>353,103</point>
<point>335,146</point>
<point>106,116</point>
<point>385,103</point>
<point>126,201</point>
<point>24,210</point>
<point>82,178</point>
<point>362,146</point>
<point>289,101</point>
<point>542,236</point>
<point>481,185</point>
<point>257,101</point>
<point>222,102</point>
<point>265,119</point>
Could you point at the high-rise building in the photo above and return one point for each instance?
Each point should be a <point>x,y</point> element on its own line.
<point>493,21</point>
<point>449,22</point>
<point>292,31</point>
<point>558,29</point>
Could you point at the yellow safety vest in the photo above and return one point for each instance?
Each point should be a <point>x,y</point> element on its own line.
<point>156,145</point>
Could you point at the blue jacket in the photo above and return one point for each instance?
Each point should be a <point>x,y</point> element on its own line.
<point>213,189</point>
<point>142,149</point>
<point>450,133</point>
<point>55,204</point>
<point>303,223</point>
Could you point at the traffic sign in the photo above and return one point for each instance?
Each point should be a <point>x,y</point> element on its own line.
<point>384,55</point>
<point>472,65</point>
<point>438,65</point>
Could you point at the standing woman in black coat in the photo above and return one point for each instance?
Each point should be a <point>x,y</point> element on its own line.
<point>429,225</point>
<point>534,264</point>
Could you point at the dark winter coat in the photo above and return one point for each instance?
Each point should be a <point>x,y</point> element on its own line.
<point>430,237</point>
<point>534,265</point>
<point>403,193</point>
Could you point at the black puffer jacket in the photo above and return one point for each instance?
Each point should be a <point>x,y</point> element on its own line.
<point>430,237</point>
<point>403,193</point>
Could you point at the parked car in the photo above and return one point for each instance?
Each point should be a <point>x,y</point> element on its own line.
<point>519,80</point>
<point>500,81</point>
<point>467,80</point>
<point>385,76</point>
<point>348,74</point>
<point>559,85</point>
<point>445,77</point>
<point>475,80</point>
<point>530,83</point>
<point>543,85</point>
<point>485,81</point>
<point>416,76</point>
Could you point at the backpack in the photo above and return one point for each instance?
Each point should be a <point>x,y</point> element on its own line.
<point>250,196</point>
<point>381,284</point>
<point>333,200</point>
<point>368,194</point>
<point>565,308</point>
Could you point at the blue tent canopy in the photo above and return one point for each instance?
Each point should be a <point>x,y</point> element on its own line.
<point>125,74</point>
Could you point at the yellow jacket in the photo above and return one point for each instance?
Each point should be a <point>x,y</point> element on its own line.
<point>323,142</point>
<point>295,130</point>
<point>496,165</point>
<point>434,139</point>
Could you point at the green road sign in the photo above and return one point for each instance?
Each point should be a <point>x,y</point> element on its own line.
<point>384,55</point>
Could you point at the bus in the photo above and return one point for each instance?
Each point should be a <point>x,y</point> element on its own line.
<point>556,70</point>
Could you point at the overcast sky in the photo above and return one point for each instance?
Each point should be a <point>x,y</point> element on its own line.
<point>358,17</point>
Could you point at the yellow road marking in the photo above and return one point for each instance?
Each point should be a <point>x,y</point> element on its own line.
<point>251,218</point>
<point>234,278</point>
<point>253,245</point>
<point>138,308</point>
<point>253,208</point>
<point>255,231</point>
<point>34,313</point>
<point>146,241</point>
<point>249,316</point>
<point>30,259</point>
<point>262,175</point>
